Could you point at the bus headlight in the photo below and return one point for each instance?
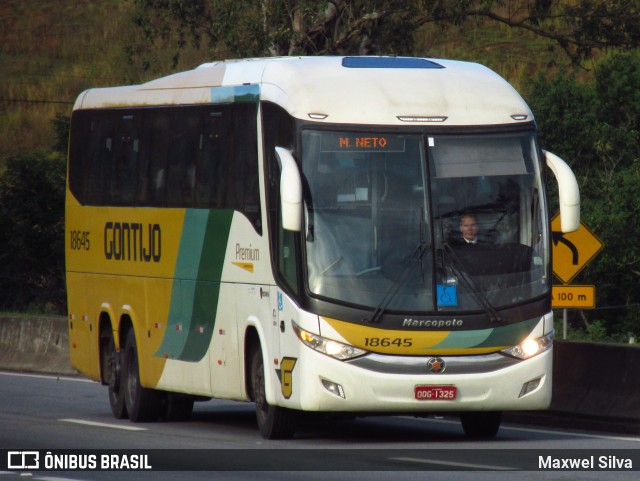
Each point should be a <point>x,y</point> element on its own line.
<point>335,349</point>
<point>530,347</point>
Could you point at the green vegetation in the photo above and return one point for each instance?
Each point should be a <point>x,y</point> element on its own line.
<point>31,232</point>
<point>52,50</point>
<point>595,124</point>
<point>557,53</point>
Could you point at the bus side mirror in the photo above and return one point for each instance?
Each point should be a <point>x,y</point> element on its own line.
<point>568,192</point>
<point>290,191</point>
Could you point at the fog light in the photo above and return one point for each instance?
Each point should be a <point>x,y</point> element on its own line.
<point>529,386</point>
<point>333,388</point>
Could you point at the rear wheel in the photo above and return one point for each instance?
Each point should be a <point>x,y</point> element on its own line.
<point>142,404</point>
<point>274,422</point>
<point>177,407</point>
<point>481,424</point>
<point>113,378</point>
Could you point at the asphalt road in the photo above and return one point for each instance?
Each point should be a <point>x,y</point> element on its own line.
<point>69,420</point>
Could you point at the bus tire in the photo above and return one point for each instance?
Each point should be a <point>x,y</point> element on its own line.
<point>142,404</point>
<point>177,407</point>
<point>481,424</point>
<point>111,366</point>
<point>274,422</point>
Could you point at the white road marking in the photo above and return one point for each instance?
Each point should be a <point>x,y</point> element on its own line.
<point>574,434</point>
<point>454,464</point>
<point>635,439</point>
<point>49,478</point>
<point>46,376</point>
<point>102,425</point>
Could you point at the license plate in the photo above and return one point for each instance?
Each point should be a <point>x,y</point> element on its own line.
<point>435,393</point>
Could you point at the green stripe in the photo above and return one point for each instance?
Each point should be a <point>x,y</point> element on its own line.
<point>510,335</point>
<point>196,287</point>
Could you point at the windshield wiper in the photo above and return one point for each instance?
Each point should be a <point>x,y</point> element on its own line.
<point>470,283</point>
<point>410,262</point>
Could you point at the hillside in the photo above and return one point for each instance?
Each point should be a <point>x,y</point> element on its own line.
<point>52,50</point>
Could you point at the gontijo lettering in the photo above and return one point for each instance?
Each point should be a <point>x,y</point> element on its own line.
<point>124,241</point>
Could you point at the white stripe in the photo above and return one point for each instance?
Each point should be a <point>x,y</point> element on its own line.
<point>50,478</point>
<point>102,425</point>
<point>46,376</point>
<point>573,434</point>
<point>453,463</point>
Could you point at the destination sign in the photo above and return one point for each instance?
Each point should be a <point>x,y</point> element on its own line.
<point>347,142</point>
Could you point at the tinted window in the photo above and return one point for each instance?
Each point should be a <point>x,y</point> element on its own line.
<point>187,156</point>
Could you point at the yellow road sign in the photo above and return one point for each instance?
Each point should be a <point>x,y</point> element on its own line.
<point>572,251</point>
<point>573,297</point>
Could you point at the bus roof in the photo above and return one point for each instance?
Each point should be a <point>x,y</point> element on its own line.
<point>360,90</point>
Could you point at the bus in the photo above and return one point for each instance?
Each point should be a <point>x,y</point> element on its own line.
<point>286,231</point>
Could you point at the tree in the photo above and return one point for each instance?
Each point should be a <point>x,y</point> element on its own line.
<point>246,28</point>
<point>32,190</point>
<point>61,125</point>
<point>32,232</point>
<point>595,125</point>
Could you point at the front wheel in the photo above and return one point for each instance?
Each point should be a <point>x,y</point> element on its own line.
<point>481,424</point>
<point>274,422</point>
<point>142,404</point>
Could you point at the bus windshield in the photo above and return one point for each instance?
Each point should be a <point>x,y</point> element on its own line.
<point>417,223</point>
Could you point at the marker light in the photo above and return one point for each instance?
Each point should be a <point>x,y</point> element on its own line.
<point>530,347</point>
<point>329,347</point>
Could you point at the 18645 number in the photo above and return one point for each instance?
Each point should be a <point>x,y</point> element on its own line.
<point>387,342</point>
<point>79,240</point>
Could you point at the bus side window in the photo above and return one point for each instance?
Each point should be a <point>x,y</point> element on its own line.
<point>153,157</point>
<point>183,149</point>
<point>208,181</point>
<point>123,178</point>
<point>245,163</point>
<point>278,130</point>
<point>99,159</point>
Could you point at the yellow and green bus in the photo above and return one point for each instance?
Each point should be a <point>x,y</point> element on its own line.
<point>287,231</point>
